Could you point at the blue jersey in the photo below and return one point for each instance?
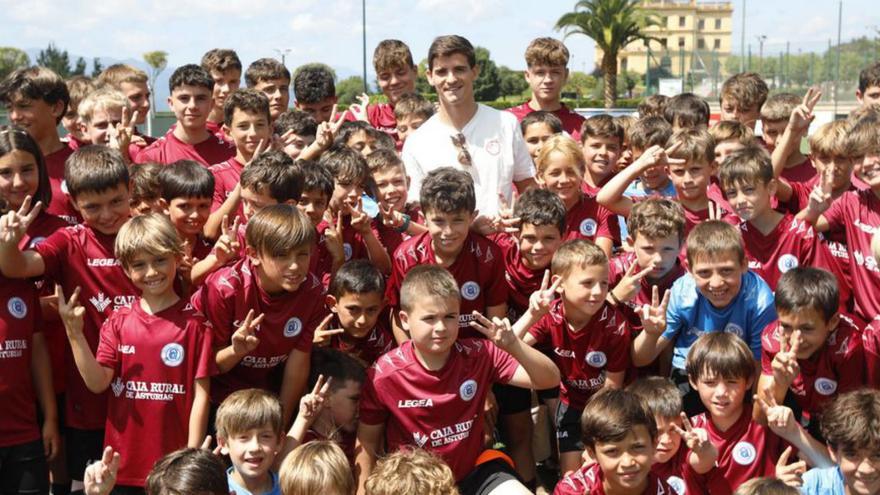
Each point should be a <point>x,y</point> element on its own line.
<point>690,314</point>
<point>827,481</point>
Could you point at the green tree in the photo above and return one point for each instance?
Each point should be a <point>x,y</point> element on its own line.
<point>80,68</point>
<point>612,24</point>
<point>512,82</point>
<point>97,67</point>
<point>55,59</point>
<point>347,90</point>
<point>422,84</point>
<point>579,84</point>
<point>11,59</point>
<point>487,87</point>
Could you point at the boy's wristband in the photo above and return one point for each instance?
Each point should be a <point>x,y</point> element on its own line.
<point>614,298</point>
<point>404,226</point>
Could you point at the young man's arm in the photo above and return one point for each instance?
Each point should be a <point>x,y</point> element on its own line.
<point>647,347</point>
<point>293,384</point>
<point>198,416</point>
<point>377,252</point>
<point>41,374</point>
<point>781,421</point>
<point>370,440</point>
<point>535,371</point>
<point>611,195</point>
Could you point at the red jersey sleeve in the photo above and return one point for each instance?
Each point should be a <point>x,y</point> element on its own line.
<point>608,226</point>
<point>218,310</point>
<point>871,349</point>
<point>372,410</point>
<point>304,343</point>
<point>392,290</point>
<point>619,344</point>
<point>541,331</point>
<point>206,365</point>
<point>53,250</point>
<point>498,288</point>
<point>503,364</point>
<point>769,348</point>
<point>851,367</point>
<point>836,215</point>
<point>107,353</point>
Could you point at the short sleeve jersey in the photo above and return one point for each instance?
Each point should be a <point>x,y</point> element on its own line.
<point>61,204</point>
<point>441,411</point>
<point>836,368</point>
<point>802,172</point>
<point>871,349</point>
<point>19,320</point>
<point>587,219</point>
<point>498,153</point>
<point>590,480</point>
<point>858,214</point>
<point>583,357</point>
<point>478,269</point>
<point>81,257</point>
<point>521,280</point>
<point>617,269</point>
<point>155,361</point>
<point>571,121</point>
<point>226,177</point>
<point>690,315</point>
<point>289,323</point>
<point>377,341</point>
<point>168,149</point>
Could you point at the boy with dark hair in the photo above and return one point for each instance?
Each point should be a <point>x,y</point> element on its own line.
<point>775,117</point>
<point>400,219</point>
<point>269,288</point>
<point>537,127</point>
<point>812,353</point>
<point>225,69</point>
<point>272,78</point>
<point>146,192</point>
<point>742,96</point>
<point>315,91</point>
<point>547,72</point>
<point>602,142</point>
<point>297,130</point>
<point>396,75</point>
<point>357,135</point>
<point>448,203</point>
<point>444,380</point>
<point>616,423</point>
<point>410,112</point>
<point>868,91</point>
<point>37,99</point>
<point>317,189</point>
<point>270,179</point>
<point>80,256</point>
<point>687,111</point>
<point>191,90</point>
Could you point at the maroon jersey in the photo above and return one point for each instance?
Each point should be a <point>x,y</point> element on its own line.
<point>19,320</point>
<point>790,244</point>
<point>381,116</point>
<point>168,149</point>
<point>746,451</point>
<point>836,368</point>
<point>155,361</point>
<point>289,323</point>
<point>390,237</point>
<point>803,172</point>
<point>81,257</point>
<point>617,269</point>
<point>583,357</point>
<point>521,280</point>
<point>587,219</point>
<point>442,410</point>
<point>857,214</point>
<point>571,121</point>
<point>871,348</point>
<point>376,342</point>
<point>673,471</point>
<point>60,205</point>
<point>321,262</point>
<point>478,269</point>
<point>216,128</point>
<point>590,480</point>
<point>226,176</point>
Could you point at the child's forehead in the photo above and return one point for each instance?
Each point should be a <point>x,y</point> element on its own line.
<point>636,434</point>
<point>546,67</point>
<point>314,194</point>
<point>278,81</point>
<point>539,128</point>
<point>601,139</point>
<point>363,298</point>
<point>188,89</point>
<point>191,199</point>
<point>434,303</point>
<point>437,214</point>
<point>711,260</point>
<point>102,196</point>
<point>239,114</point>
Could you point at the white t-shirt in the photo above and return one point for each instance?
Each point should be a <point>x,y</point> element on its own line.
<point>495,143</point>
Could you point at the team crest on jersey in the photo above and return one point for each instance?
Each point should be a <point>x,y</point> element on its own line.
<point>825,386</point>
<point>787,262</point>
<point>346,248</point>
<point>493,147</point>
<point>470,290</point>
<point>172,354</point>
<point>17,307</point>
<point>588,227</point>
<point>118,386</point>
<point>677,485</point>
<point>734,329</point>
<point>468,389</point>
<point>293,327</point>
<point>744,453</point>
<point>596,359</point>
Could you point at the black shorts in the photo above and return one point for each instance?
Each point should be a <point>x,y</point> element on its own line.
<point>128,490</point>
<point>548,394</point>
<point>23,469</point>
<point>568,429</point>
<point>512,400</point>
<point>486,477</point>
<point>82,447</point>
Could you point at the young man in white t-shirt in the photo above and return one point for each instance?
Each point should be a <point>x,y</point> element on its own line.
<point>485,142</point>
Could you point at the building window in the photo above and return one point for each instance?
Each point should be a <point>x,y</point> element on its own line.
<point>717,23</point>
<point>680,42</point>
<point>681,21</point>
<point>701,24</point>
<point>665,22</point>
<point>663,42</point>
<point>701,44</point>
<point>717,44</point>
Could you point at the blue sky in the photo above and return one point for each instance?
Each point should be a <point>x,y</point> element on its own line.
<point>330,30</point>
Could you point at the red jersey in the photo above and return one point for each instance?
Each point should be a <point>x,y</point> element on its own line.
<point>19,320</point>
<point>226,176</point>
<point>378,341</point>
<point>73,143</point>
<point>168,149</point>
<point>589,190</point>
<point>321,262</point>
<point>381,116</point>
<point>583,357</point>
<point>571,121</point>
<point>587,219</point>
<point>390,237</point>
<point>590,480</point>
<point>617,269</point>
<point>156,360</point>
<point>836,368</point>
<point>803,172</point>
<point>478,269</point>
<point>857,214</point>
<point>746,451</point>
<point>216,128</point>
<point>60,205</point>
<point>289,323</point>
<point>673,471</point>
<point>521,280</point>
<point>81,257</point>
<point>871,349</point>
<point>442,410</point>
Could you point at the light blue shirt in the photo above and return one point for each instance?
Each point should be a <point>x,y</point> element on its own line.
<point>690,314</point>
<point>823,481</point>
<point>240,490</point>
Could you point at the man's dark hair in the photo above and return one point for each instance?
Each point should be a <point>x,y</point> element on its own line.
<point>313,83</point>
<point>190,75</point>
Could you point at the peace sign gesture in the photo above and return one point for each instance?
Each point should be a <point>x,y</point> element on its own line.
<point>780,419</point>
<point>631,283</point>
<point>311,404</point>
<point>14,224</point>
<point>820,196</point>
<point>100,476</point>
<point>696,439</point>
<point>70,311</point>
<point>802,116</point>
<point>323,334</point>
<point>654,316</point>
<point>360,221</point>
<point>498,330</point>
<point>785,365</point>
<point>227,245</point>
<point>504,221</point>
<point>121,133</point>
<point>245,339</point>
<point>541,300</point>
<point>359,110</point>
<point>657,156</point>
<point>790,474</point>
<point>715,211</point>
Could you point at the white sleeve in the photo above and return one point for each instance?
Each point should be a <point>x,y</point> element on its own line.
<point>413,171</point>
<point>523,166</point>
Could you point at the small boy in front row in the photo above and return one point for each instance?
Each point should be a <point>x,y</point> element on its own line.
<point>154,356</point>
<point>431,390</point>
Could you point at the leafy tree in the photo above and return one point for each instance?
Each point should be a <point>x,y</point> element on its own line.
<point>80,68</point>
<point>97,67</point>
<point>422,84</point>
<point>612,24</point>
<point>580,84</point>
<point>55,59</point>
<point>347,90</point>
<point>487,87</point>
<point>12,59</point>
<point>512,82</point>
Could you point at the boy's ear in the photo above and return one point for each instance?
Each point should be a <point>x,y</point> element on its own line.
<point>170,101</point>
<point>330,301</point>
<point>404,320</point>
<point>692,383</point>
<point>164,205</point>
<point>252,254</point>
<point>225,129</point>
<point>772,186</point>
<point>58,109</point>
<point>629,239</point>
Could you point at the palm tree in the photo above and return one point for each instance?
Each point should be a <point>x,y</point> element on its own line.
<point>612,24</point>
<point>157,60</point>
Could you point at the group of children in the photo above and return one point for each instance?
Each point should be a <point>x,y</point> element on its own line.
<point>256,302</point>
